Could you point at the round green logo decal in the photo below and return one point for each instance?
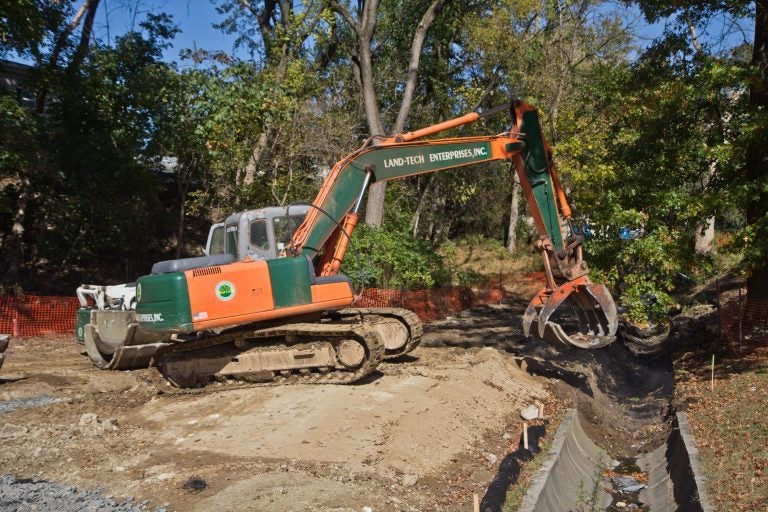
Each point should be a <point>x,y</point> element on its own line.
<point>225,290</point>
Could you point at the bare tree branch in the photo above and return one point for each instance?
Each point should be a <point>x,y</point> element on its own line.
<point>58,47</point>
<point>413,65</point>
<point>344,13</point>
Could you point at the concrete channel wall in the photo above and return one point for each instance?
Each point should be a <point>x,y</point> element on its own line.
<point>571,472</point>
<point>675,483</point>
<point>571,476</point>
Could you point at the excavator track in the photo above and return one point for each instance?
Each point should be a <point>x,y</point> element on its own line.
<point>400,329</point>
<point>297,353</point>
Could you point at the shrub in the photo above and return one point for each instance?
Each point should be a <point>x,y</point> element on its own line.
<point>391,259</point>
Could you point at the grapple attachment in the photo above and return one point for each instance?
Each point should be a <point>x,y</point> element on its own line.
<point>576,313</point>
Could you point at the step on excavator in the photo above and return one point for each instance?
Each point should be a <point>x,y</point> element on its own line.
<point>268,304</point>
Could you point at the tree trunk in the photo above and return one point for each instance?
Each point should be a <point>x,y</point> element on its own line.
<point>374,210</point>
<point>705,236</point>
<point>756,168</point>
<point>364,28</point>
<point>14,244</point>
<point>413,65</point>
<point>182,187</point>
<point>58,47</point>
<point>514,215</point>
<point>705,231</point>
<point>249,174</point>
<point>420,206</point>
<point>374,206</point>
<point>85,36</point>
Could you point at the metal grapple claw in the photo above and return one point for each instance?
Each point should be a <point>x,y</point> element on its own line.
<point>593,318</point>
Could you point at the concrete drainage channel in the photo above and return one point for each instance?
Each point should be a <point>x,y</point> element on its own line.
<point>573,476</point>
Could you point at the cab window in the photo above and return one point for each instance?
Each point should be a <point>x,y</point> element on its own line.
<point>284,228</point>
<point>259,235</point>
<point>217,241</point>
<point>231,240</point>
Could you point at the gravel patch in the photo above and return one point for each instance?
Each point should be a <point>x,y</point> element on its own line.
<point>17,495</point>
<point>27,403</point>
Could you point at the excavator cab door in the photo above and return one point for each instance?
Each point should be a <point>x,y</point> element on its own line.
<point>215,243</point>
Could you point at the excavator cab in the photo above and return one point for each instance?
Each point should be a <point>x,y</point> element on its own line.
<point>259,234</point>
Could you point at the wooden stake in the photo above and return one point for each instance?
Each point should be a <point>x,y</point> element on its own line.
<point>525,435</point>
<point>712,381</point>
<point>541,411</point>
<point>476,502</point>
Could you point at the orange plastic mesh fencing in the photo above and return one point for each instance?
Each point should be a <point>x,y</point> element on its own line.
<point>743,323</point>
<point>429,304</point>
<point>34,315</point>
<point>380,298</point>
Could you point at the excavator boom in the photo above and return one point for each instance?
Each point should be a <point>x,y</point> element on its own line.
<point>328,225</point>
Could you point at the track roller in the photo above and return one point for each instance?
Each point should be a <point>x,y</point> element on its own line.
<point>400,329</point>
<point>299,353</point>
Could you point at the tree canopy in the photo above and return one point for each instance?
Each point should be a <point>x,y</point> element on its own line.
<point>111,158</point>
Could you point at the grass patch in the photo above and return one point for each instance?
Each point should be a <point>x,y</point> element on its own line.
<point>476,260</point>
<point>730,426</point>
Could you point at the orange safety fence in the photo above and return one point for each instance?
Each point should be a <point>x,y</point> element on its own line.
<point>32,315</point>
<point>743,322</point>
<point>429,304</point>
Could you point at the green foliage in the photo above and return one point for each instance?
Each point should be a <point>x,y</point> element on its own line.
<point>656,144</point>
<point>643,272</point>
<point>651,151</point>
<point>26,26</point>
<point>729,95</point>
<point>391,259</point>
<point>78,170</point>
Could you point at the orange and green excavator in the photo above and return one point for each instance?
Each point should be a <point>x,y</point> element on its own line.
<point>287,317</point>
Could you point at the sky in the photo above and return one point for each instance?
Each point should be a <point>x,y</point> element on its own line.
<point>195,18</point>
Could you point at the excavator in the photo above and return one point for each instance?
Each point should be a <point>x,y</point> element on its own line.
<point>266,309</point>
<point>3,347</point>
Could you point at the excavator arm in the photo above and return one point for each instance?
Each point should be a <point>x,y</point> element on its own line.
<point>591,304</point>
<point>334,215</point>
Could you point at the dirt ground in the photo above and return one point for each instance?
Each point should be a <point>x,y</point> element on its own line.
<point>393,442</point>
<point>424,433</point>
